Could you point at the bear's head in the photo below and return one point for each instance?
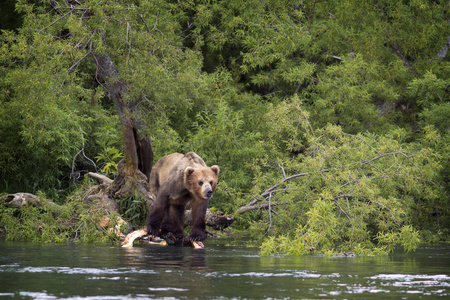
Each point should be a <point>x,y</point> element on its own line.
<point>201,181</point>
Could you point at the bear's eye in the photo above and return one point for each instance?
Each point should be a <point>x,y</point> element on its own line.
<point>200,183</point>
<point>210,183</point>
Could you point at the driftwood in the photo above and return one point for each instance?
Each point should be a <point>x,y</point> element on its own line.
<point>22,199</point>
<point>129,238</point>
<point>101,179</point>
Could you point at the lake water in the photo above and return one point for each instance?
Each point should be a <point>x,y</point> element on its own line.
<point>72,271</point>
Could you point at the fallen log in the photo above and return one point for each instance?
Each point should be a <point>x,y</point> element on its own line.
<point>18,200</point>
<point>217,220</point>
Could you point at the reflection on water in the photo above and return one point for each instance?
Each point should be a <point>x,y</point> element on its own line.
<point>29,271</point>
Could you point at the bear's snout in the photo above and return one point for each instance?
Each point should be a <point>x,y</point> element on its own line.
<point>207,192</point>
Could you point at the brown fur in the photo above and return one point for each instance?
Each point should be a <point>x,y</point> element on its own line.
<point>177,179</point>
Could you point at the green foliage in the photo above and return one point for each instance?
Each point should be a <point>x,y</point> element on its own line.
<point>133,210</point>
<point>110,157</point>
<point>107,139</point>
<point>432,95</point>
<point>347,95</point>
<point>56,224</point>
<point>348,191</point>
<point>47,111</point>
<point>89,231</point>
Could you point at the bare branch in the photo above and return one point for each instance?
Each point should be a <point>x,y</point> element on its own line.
<point>393,154</point>
<point>76,175</point>
<point>396,49</point>
<point>269,190</point>
<point>444,50</point>
<point>282,169</point>
<point>361,196</point>
<point>156,22</point>
<point>343,211</point>
<point>128,41</point>
<point>78,62</point>
<point>307,121</point>
<point>374,178</point>
<point>364,141</point>
<point>146,26</point>
<point>270,213</point>
<point>101,179</point>
<point>247,208</point>
<point>383,155</point>
<point>62,17</point>
<point>334,56</point>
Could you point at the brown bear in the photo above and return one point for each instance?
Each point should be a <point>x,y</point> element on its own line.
<point>177,179</point>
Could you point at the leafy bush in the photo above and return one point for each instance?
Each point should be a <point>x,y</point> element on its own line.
<point>346,192</point>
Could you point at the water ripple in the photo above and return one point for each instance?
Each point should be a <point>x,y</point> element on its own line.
<point>283,273</point>
<point>88,271</point>
<point>167,289</point>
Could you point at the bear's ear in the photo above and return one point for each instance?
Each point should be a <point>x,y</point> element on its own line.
<point>188,171</point>
<point>215,169</point>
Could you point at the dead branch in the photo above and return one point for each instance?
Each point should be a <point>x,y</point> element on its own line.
<point>343,211</point>
<point>363,140</point>
<point>101,179</point>
<point>270,210</point>
<point>393,154</point>
<point>247,208</point>
<point>373,178</point>
<point>269,190</point>
<point>334,56</point>
<point>76,175</point>
<point>444,50</point>
<point>362,196</point>
<point>78,62</point>
<point>62,17</point>
<point>396,49</point>
<point>129,238</point>
<point>383,155</point>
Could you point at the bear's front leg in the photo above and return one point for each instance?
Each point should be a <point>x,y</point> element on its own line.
<point>198,233</point>
<point>156,218</point>
<point>198,230</point>
<point>174,222</point>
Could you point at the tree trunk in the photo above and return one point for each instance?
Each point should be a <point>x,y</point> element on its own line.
<point>134,169</point>
<point>138,149</point>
